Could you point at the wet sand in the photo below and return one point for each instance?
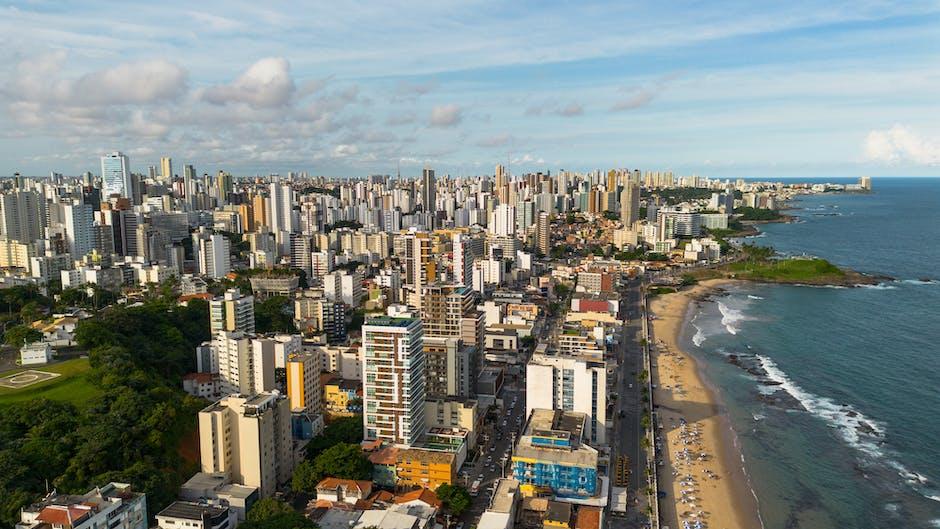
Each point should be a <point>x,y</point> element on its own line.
<point>702,473</point>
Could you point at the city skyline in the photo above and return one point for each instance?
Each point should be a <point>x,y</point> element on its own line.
<point>802,89</point>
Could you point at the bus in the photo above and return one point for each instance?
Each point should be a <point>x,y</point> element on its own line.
<point>475,488</point>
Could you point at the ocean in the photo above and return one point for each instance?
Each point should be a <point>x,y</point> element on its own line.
<point>834,393</point>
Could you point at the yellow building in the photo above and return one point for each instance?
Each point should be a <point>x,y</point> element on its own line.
<point>342,398</point>
<point>426,468</point>
<point>303,381</point>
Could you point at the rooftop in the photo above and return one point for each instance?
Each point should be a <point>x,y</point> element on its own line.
<point>388,321</point>
<point>191,510</point>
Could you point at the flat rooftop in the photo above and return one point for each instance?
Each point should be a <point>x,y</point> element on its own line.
<point>191,510</point>
<point>388,321</point>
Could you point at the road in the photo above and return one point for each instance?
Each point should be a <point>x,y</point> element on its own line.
<point>628,428</point>
<point>496,445</point>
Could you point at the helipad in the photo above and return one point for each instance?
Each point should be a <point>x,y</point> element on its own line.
<point>26,378</point>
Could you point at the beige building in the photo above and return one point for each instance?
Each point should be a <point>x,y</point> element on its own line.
<point>248,439</point>
<point>449,311</point>
<point>457,412</point>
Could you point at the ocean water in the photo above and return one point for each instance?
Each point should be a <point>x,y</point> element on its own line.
<point>834,393</point>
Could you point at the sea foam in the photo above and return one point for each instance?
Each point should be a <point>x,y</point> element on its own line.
<point>858,431</point>
<point>730,318</point>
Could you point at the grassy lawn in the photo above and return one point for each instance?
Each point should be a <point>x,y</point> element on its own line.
<point>73,386</point>
<point>788,270</point>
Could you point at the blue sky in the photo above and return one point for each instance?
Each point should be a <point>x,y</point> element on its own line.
<point>350,88</point>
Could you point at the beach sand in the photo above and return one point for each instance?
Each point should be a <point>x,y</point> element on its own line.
<point>717,492</point>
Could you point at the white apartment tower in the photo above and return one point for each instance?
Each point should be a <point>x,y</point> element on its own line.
<point>570,383</point>
<point>393,380</point>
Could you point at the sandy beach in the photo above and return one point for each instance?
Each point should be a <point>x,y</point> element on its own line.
<point>702,474</point>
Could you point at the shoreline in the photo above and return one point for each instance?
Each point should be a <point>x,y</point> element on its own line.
<point>718,490</point>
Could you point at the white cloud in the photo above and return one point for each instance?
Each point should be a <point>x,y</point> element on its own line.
<point>343,150</point>
<point>900,144</point>
<point>266,83</point>
<point>445,115</point>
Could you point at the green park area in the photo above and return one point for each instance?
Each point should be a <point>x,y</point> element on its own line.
<point>813,271</point>
<point>71,386</point>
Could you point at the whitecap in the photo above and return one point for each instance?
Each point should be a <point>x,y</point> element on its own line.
<point>730,318</point>
<point>920,282</point>
<point>857,430</point>
<point>699,337</point>
<point>879,286</point>
<point>751,296</point>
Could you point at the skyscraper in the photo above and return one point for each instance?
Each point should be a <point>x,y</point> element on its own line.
<point>429,194</point>
<point>22,216</point>
<point>394,379</point>
<point>79,229</point>
<point>116,176</point>
<point>501,186</point>
<point>166,169</point>
<point>630,204</point>
<point>543,233</point>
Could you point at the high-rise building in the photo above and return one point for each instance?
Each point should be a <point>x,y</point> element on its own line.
<point>343,286</point>
<point>450,311</point>
<point>232,311</point>
<point>543,234</point>
<point>570,383</point>
<point>281,214</point>
<point>166,169</point>
<point>79,228</point>
<point>501,185</point>
<point>249,440</point>
<point>463,259</point>
<point>245,366</point>
<point>189,184</point>
<point>213,254</point>
<point>420,267</point>
<point>429,193</point>
<point>630,204</point>
<point>22,216</point>
<point>393,380</point>
<point>116,176</point>
<point>450,367</point>
<point>552,454</point>
<point>502,222</point>
<point>303,383</point>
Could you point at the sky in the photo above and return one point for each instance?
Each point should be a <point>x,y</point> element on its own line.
<point>351,88</point>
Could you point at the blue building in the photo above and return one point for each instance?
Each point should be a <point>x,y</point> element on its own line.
<point>551,457</point>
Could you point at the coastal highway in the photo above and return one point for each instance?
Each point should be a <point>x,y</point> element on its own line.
<point>625,438</point>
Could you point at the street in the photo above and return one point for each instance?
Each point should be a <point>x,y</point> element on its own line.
<point>628,428</point>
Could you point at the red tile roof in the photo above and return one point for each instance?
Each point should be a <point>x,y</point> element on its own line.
<point>64,515</point>
<point>588,518</point>
<point>425,495</point>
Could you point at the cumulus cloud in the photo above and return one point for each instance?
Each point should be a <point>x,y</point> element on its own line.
<point>446,115</point>
<point>344,150</point>
<point>142,82</point>
<point>266,83</point>
<point>900,144</point>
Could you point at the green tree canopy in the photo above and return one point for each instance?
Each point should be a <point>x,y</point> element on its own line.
<point>18,335</point>
<point>456,499</point>
<point>343,460</point>
<point>269,513</point>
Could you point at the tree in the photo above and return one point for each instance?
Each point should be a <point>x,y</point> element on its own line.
<point>271,315</point>
<point>269,513</point>
<point>455,498</point>
<point>343,460</point>
<point>305,477</point>
<point>18,335</point>
<point>342,430</point>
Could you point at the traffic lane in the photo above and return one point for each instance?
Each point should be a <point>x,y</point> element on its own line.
<point>501,439</point>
